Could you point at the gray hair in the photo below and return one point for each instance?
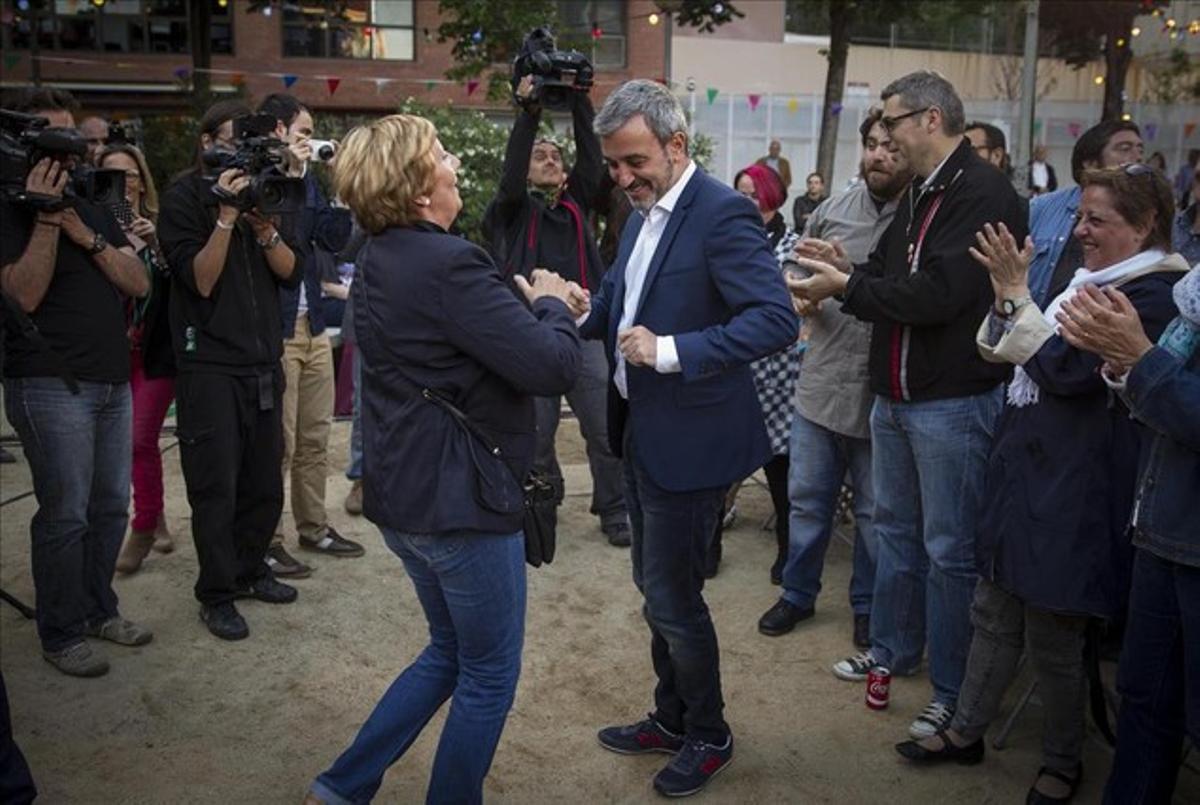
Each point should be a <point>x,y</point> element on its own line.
<point>926,88</point>
<point>655,103</point>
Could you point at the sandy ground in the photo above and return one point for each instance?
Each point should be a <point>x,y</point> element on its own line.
<point>190,719</point>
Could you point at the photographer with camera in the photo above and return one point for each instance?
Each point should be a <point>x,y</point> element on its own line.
<point>65,269</point>
<point>228,261</point>
<point>540,219</point>
<point>307,351</point>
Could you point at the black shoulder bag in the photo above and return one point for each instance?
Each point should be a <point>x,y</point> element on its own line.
<point>539,495</point>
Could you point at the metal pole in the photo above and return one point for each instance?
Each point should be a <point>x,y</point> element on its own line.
<point>1024,139</point>
<point>668,21</point>
<point>35,45</point>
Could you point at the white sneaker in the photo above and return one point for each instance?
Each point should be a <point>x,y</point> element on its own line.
<point>854,669</point>
<point>933,719</point>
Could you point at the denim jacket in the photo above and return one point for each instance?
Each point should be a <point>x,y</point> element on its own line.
<point>1164,393</point>
<point>1051,218</point>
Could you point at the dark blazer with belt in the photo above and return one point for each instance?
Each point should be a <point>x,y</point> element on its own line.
<point>714,285</point>
<point>432,310</point>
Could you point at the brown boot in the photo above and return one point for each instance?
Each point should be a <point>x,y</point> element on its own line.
<point>162,537</point>
<point>354,498</point>
<point>136,546</point>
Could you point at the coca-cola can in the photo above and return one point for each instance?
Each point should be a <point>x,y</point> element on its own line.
<point>879,686</point>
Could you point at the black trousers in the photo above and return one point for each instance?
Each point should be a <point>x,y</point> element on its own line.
<point>231,448</point>
<point>16,783</point>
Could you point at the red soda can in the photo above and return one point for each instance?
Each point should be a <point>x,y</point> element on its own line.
<point>879,685</point>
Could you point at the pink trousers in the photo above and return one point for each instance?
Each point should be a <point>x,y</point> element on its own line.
<point>151,399</point>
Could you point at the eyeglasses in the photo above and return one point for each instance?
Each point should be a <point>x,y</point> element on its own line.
<point>889,123</point>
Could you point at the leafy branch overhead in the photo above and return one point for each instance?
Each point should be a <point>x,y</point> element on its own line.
<point>485,35</point>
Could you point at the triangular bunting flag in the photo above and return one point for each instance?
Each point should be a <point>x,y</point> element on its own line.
<point>332,84</point>
<point>237,79</point>
<point>793,105</point>
<point>1075,129</point>
<point>429,86</point>
<point>712,95</point>
<point>288,80</point>
<point>180,73</point>
<point>472,85</point>
<point>835,109</point>
<point>1188,128</point>
<point>1151,130</point>
<point>1037,125</point>
<point>754,100</point>
<point>380,83</point>
<point>11,60</point>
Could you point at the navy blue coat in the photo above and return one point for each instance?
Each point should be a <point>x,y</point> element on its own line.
<point>715,285</point>
<point>431,307</point>
<point>1061,477</point>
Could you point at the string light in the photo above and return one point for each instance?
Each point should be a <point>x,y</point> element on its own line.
<point>1120,43</point>
<point>222,3</point>
<point>1171,23</point>
<point>652,19</point>
<point>1127,117</point>
<point>1136,31</point>
<point>597,32</point>
<point>1098,80</point>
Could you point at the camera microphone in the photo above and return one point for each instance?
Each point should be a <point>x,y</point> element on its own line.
<point>322,150</point>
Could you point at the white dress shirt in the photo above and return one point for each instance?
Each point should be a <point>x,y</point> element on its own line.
<point>666,358</point>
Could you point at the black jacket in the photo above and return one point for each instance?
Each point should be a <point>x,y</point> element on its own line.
<point>325,227</point>
<point>237,329</point>
<point>431,311</point>
<point>923,340</point>
<point>524,233</point>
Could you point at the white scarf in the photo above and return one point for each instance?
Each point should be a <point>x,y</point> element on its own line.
<point>1023,391</point>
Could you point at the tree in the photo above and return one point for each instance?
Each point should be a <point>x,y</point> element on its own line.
<point>487,34</point>
<point>1084,31</point>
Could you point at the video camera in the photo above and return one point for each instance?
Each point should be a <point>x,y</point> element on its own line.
<point>258,153</point>
<point>27,139</point>
<point>556,73</point>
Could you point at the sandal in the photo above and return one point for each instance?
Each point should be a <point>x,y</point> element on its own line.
<point>1035,797</point>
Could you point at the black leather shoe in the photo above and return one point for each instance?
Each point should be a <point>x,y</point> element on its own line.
<point>224,621</point>
<point>862,631</point>
<point>782,618</point>
<point>619,535</point>
<point>1035,797</point>
<point>271,591</point>
<point>967,755</point>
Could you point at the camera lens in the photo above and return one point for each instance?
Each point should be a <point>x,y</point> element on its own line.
<point>325,153</point>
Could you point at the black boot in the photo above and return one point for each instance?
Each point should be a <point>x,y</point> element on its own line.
<point>781,556</point>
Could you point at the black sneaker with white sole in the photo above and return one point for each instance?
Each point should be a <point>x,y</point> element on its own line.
<point>640,738</point>
<point>692,767</point>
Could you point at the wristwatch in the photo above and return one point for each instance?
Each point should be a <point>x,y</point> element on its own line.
<point>1009,307</point>
<point>99,244</point>
<point>271,242</point>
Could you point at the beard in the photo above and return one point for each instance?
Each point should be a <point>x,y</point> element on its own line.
<point>884,185</point>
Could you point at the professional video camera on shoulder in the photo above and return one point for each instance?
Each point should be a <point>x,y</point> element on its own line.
<point>556,73</point>
<point>25,140</point>
<point>258,154</point>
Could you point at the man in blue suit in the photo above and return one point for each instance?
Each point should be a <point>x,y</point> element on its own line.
<point>694,296</point>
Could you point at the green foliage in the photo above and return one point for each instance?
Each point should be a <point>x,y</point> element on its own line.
<point>705,15</point>
<point>479,144</point>
<point>501,27</point>
<point>1175,79</point>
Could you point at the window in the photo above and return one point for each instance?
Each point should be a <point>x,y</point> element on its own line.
<point>579,18</point>
<point>113,26</point>
<point>349,29</point>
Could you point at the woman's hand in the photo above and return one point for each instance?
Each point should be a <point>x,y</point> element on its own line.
<point>545,283</point>
<point>1007,266</point>
<point>143,228</point>
<point>826,281</point>
<point>1105,322</point>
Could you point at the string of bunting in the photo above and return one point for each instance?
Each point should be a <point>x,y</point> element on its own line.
<point>238,77</point>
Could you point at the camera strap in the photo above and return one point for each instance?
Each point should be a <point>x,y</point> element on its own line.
<point>30,331</point>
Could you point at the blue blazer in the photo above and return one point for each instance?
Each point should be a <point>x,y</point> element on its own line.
<point>715,285</point>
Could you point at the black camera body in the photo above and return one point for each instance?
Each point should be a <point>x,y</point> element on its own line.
<point>27,139</point>
<point>259,154</point>
<point>556,73</point>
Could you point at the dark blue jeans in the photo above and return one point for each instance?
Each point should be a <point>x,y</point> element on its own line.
<point>820,459</point>
<point>80,452</point>
<point>1158,679</point>
<point>472,589</point>
<point>671,531</point>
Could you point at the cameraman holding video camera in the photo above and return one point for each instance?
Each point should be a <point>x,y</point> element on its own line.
<point>228,261</point>
<point>540,219</point>
<point>307,351</point>
<point>65,268</point>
